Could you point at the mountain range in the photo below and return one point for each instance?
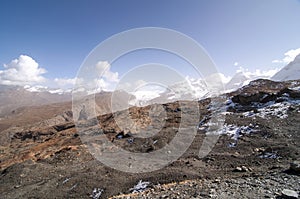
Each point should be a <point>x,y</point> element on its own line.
<point>15,100</point>
<point>197,88</point>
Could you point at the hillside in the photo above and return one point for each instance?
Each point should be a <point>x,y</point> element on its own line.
<point>258,141</point>
<point>14,97</point>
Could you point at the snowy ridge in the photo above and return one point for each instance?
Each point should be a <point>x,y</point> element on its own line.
<point>289,72</point>
<point>39,88</point>
<point>189,89</point>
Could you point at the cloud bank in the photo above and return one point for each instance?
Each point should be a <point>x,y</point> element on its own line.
<point>103,69</point>
<point>22,71</point>
<point>289,56</point>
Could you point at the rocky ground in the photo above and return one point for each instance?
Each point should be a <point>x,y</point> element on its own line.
<point>267,185</point>
<point>258,141</point>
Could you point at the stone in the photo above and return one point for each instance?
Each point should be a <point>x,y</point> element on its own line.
<point>238,169</point>
<point>245,169</point>
<point>295,166</point>
<point>217,181</point>
<point>241,169</point>
<point>259,149</point>
<point>287,193</point>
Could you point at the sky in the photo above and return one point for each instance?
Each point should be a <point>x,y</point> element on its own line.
<point>45,42</point>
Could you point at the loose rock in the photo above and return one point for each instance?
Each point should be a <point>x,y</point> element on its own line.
<point>287,193</point>
<point>295,166</point>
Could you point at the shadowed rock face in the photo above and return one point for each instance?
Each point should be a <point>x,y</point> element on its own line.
<point>264,97</point>
<point>48,158</point>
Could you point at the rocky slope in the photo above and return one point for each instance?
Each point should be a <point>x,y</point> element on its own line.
<point>265,185</point>
<point>53,113</point>
<point>251,159</point>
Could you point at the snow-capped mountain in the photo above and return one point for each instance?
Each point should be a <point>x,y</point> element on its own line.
<point>195,89</point>
<point>238,80</point>
<point>190,89</point>
<point>39,88</point>
<point>244,77</point>
<point>289,72</point>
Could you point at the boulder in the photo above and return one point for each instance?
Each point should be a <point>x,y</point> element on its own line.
<point>287,193</point>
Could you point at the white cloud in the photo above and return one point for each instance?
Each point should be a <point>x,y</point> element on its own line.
<point>101,84</point>
<point>266,74</point>
<point>103,68</point>
<point>236,63</point>
<point>224,79</point>
<point>103,80</point>
<point>62,82</point>
<point>217,79</point>
<point>107,80</point>
<point>22,71</point>
<point>289,56</point>
<point>277,61</point>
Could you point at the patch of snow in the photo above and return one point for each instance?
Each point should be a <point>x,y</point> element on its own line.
<point>296,88</point>
<point>229,104</point>
<point>269,109</point>
<point>269,155</point>
<point>235,131</point>
<point>96,194</point>
<point>295,84</point>
<point>36,88</point>
<point>141,186</point>
<point>57,91</point>
<point>39,88</point>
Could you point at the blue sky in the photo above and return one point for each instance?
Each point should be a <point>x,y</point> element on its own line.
<point>59,34</point>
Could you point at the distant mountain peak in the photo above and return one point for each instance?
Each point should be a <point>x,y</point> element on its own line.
<point>289,72</point>
<point>297,58</point>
